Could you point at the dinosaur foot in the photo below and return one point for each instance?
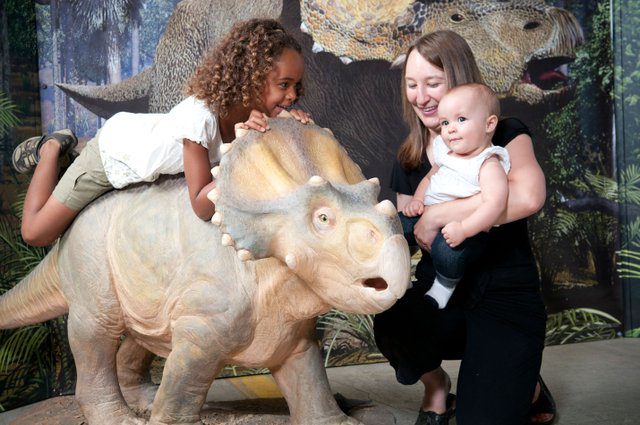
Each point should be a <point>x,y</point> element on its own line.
<point>140,398</point>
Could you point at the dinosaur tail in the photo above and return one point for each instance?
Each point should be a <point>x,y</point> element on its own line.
<point>131,95</point>
<point>36,298</point>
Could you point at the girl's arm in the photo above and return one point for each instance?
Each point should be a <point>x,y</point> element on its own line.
<point>197,171</point>
<point>493,193</point>
<point>527,194</point>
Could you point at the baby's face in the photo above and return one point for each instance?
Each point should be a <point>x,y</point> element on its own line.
<point>464,123</point>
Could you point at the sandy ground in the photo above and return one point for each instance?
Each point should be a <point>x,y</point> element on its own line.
<point>65,411</point>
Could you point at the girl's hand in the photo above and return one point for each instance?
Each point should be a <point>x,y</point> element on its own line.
<point>414,208</point>
<point>257,121</point>
<point>453,234</point>
<point>302,116</point>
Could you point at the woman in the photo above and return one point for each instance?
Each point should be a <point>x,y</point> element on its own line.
<point>495,321</point>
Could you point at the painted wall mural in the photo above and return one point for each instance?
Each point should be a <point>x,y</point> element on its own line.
<point>550,61</point>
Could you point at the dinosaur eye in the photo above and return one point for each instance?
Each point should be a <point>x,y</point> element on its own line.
<point>456,17</point>
<point>324,219</point>
<point>531,25</point>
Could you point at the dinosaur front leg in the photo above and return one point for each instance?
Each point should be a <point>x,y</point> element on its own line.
<point>304,384</point>
<point>133,362</point>
<point>94,348</point>
<point>188,373</point>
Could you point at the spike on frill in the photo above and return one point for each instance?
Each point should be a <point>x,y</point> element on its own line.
<point>217,218</point>
<point>244,255</point>
<point>316,181</point>
<point>386,207</point>
<point>213,195</point>
<point>225,148</point>
<point>227,240</point>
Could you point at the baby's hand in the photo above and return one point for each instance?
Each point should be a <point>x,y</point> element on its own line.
<point>257,121</point>
<point>414,208</point>
<point>453,234</point>
<point>302,116</point>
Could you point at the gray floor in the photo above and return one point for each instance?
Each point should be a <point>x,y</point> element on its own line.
<point>596,383</point>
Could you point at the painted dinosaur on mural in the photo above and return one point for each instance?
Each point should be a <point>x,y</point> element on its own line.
<point>521,46</point>
<point>297,231</point>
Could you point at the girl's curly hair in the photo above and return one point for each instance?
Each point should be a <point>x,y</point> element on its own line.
<point>235,71</point>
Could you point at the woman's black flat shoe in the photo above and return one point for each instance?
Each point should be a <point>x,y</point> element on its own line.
<point>432,418</point>
<point>545,404</point>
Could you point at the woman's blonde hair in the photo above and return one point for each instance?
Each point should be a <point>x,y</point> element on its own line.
<point>450,52</point>
<point>235,71</point>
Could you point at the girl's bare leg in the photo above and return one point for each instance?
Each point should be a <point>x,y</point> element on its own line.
<point>436,389</point>
<point>44,218</point>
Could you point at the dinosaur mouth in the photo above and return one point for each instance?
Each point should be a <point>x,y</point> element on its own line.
<point>548,73</point>
<point>377,283</point>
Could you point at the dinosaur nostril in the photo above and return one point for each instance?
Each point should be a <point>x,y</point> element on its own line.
<point>531,25</point>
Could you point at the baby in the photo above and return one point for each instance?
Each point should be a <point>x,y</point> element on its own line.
<point>465,163</point>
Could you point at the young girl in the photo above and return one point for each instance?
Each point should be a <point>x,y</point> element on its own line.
<point>465,163</point>
<point>255,72</point>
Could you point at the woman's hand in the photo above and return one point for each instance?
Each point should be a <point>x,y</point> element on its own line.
<point>257,121</point>
<point>425,231</point>
<point>300,115</point>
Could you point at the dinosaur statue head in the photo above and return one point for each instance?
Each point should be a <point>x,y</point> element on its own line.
<point>521,46</point>
<point>294,194</point>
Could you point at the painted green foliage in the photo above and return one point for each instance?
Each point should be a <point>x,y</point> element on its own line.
<point>627,96</point>
<point>580,211</point>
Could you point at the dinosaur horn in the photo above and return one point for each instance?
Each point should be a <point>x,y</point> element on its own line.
<point>386,207</point>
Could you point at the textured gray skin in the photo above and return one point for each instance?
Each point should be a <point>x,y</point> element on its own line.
<point>138,262</point>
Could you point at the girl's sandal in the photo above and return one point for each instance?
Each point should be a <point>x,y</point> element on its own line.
<point>27,154</point>
<point>543,405</point>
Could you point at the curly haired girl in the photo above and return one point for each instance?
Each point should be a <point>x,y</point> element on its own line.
<point>253,73</point>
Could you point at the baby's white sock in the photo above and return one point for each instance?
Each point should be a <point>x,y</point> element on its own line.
<point>440,293</point>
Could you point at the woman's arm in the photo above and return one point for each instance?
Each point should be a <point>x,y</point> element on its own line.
<point>197,171</point>
<point>527,193</point>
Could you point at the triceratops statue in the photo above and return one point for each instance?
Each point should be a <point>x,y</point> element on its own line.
<point>298,230</point>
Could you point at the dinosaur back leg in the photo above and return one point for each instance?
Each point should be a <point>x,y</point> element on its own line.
<point>94,347</point>
<point>133,363</point>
